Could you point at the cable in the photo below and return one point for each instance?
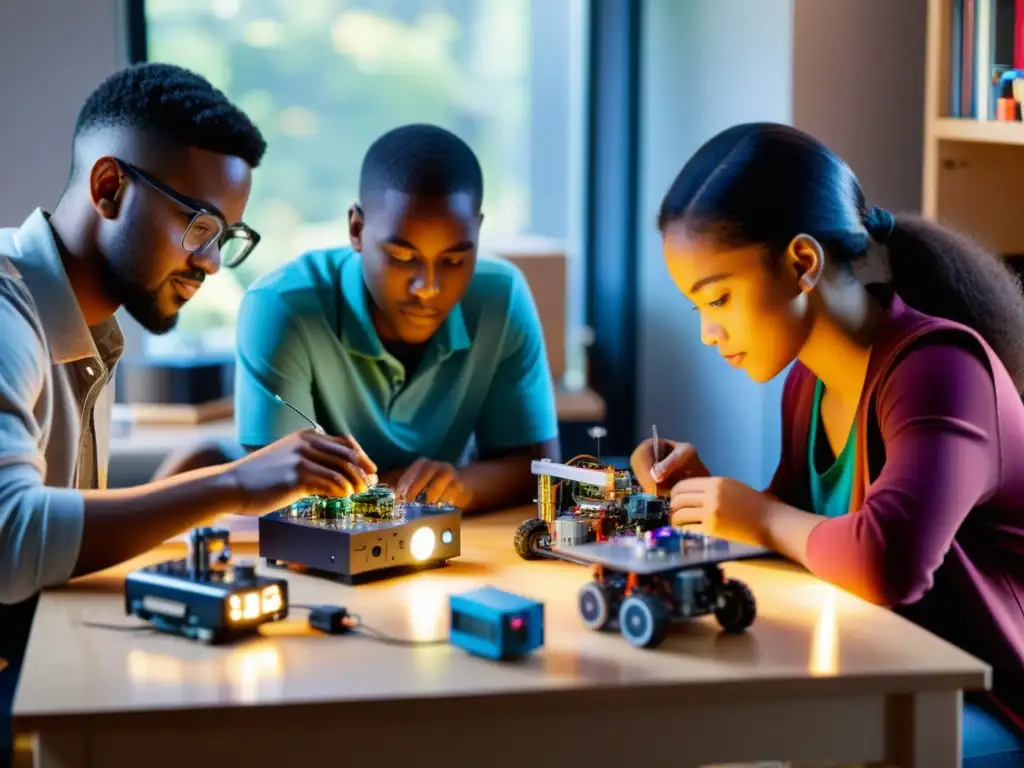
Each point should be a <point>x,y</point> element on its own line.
<point>372,634</point>
<point>336,620</point>
<point>329,619</point>
<point>119,627</point>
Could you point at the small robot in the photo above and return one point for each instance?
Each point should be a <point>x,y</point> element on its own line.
<point>643,584</point>
<point>207,596</point>
<point>591,502</point>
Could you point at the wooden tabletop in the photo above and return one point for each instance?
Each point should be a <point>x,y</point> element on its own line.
<point>807,636</point>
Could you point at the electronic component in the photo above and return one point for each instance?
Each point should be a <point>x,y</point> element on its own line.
<point>206,596</point>
<point>591,501</point>
<point>330,619</point>
<point>361,537</point>
<point>644,583</point>
<point>495,624</point>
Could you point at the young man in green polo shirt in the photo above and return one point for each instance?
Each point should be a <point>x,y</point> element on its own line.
<point>406,340</point>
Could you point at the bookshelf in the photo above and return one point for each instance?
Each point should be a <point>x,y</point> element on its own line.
<point>973,167</point>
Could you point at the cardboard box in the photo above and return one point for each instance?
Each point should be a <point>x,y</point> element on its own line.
<point>543,261</point>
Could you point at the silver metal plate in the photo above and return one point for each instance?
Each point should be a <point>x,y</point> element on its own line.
<point>627,554</point>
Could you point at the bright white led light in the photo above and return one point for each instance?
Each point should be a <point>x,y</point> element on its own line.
<point>421,545</point>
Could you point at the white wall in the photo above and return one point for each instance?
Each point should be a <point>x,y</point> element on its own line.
<point>849,71</point>
<point>52,54</point>
<point>859,86</point>
<point>706,66</point>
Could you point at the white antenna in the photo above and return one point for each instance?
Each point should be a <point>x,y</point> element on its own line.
<point>597,433</point>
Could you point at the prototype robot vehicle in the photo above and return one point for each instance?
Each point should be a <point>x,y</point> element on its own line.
<point>361,537</point>
<point>644,584</point>
<point>591,502</point>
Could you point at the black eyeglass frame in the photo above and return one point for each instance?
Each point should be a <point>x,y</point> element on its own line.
<point>226,231</point>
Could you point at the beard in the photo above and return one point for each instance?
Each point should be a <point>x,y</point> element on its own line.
<point>141,304</point>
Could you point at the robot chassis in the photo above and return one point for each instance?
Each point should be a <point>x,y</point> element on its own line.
<point>647,583</point>
<point>647,574</point>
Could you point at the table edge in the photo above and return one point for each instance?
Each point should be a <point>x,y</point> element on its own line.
<point>673,693</point>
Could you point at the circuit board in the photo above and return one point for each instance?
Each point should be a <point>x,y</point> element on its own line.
<point>355,536</point>
<point>373,505</point>
<point>660,551</point>
<point>375,509</point>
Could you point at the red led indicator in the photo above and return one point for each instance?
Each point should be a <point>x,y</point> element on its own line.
<point>516,623</point>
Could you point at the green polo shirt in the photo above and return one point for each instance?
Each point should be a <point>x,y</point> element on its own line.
<point>304,332</point>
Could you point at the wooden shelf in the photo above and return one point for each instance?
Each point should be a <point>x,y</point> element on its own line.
<point>971,168</point>
<point>983,131</point>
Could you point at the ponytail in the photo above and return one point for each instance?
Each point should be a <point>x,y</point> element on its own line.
<point>943,273</point>
<point>764,183</point>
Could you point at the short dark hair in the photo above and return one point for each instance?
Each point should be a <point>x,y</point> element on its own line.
<point>765,183</point>
<point>173,104</point>
<point>420,159</point>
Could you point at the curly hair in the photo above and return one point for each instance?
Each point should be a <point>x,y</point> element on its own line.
<point>174,104</point>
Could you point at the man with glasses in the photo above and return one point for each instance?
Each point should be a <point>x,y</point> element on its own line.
<point>161,171</point>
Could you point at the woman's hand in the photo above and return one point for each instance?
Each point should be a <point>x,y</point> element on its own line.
<point>723,507</point>
<point>677,461</point>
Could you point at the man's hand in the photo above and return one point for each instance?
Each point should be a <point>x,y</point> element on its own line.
<point>303,464</point>
<point>439,480</point>
<point>677,461</point>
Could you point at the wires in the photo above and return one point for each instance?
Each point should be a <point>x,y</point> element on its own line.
<point>336,620</point>
<point>118,627</point>
<point>372,634</point>
<point>329,619</point>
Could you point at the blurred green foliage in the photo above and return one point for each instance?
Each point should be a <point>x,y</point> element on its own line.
<point>322,79</point>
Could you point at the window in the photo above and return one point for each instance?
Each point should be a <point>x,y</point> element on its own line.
<point>324,78</point>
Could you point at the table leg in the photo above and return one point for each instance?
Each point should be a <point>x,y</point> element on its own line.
<point>924,730</point>
<point>61,750</point>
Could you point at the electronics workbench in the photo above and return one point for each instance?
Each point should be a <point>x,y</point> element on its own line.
<point>819,675</point>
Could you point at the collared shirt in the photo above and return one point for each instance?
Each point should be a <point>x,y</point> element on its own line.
<point>305,332</point>
<point>55,410</point>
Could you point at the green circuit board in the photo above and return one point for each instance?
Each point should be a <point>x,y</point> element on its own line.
<point>377,503</point>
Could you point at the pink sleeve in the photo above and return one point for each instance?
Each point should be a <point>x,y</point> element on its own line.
<point>938,420</point>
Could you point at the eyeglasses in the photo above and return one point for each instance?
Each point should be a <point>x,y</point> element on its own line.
<point>235,241</point>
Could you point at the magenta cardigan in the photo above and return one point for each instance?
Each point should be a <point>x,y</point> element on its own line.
<point>936,521</point>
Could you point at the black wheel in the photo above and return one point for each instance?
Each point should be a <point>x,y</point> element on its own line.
<point>735,607</point>
<point>643,621</point>
<point>529,535</point>
<point>597,604</point>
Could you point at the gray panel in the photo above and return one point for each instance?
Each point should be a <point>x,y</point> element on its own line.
<point>629,554</point>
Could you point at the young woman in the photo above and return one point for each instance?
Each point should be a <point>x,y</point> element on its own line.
<point>902,469</point>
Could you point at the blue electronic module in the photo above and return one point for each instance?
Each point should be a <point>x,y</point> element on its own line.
<point>495,624</point>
